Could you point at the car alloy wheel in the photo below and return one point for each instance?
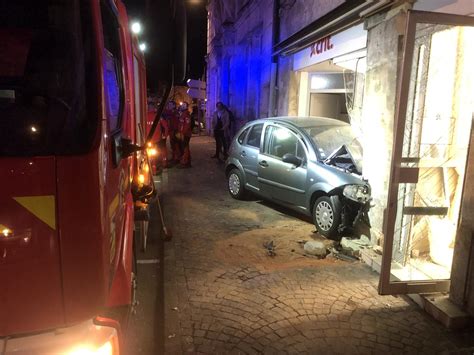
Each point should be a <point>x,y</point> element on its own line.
<point>234,184</point>
<point>324,215</point>
<point>327,216</point>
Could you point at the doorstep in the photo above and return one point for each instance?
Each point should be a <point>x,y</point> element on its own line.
<point>437,305</point>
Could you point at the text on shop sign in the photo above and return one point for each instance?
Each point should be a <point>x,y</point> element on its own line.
<point>321,46</point>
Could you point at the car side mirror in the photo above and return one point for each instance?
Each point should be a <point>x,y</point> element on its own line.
<point>292,159</point>
<point>128,148</point>
<point>123,148</point>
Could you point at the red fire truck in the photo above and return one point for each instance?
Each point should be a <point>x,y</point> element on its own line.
<point>74,174</point>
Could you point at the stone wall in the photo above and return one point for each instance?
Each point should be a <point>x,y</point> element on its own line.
<point>239,61</point>
<point>287,88</point>
<point>296,14</point>
<point>385,33</point>
<point>240,53</point>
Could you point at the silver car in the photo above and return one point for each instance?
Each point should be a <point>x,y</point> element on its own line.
<point>309,164</point>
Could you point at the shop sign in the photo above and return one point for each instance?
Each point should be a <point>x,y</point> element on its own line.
<point>321,46</point>
<point>348,41</point>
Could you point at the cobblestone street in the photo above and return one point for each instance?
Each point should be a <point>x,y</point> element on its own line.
<point>223,294</point>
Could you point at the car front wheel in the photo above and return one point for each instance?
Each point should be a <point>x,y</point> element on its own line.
<point>235,184</point>
<point>327,215</point>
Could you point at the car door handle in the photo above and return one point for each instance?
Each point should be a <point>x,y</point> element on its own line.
<point>263,163</point>
<point>243,153</point>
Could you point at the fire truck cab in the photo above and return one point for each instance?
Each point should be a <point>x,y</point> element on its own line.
<point>73,114</point>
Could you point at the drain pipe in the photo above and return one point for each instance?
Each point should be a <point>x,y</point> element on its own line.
<point>272,103</point>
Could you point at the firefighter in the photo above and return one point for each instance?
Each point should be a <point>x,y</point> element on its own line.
<point>163,128</point>
<point>173,126</point>
<point>151,149</point>
<point>185,133</point>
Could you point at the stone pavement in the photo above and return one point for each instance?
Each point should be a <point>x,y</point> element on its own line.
<point>223,294</point>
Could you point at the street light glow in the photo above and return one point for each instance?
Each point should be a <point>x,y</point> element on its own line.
<point>142,47</point>
<point>136,28</point>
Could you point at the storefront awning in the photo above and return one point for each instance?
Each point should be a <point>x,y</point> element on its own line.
<point>344,16</point>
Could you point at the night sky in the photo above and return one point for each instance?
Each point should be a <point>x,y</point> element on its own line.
<point>197,32</point>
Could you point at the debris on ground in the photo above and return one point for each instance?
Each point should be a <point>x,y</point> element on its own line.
<point>270,246</point>
<point>288,245</point>
<point>315,248</point>
<point>341,255</point>
<point>175,309</point>
<point>171,336</point>
<point>352,246</point>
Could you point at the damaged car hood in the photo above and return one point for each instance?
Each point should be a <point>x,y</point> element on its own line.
<point>343,159</point>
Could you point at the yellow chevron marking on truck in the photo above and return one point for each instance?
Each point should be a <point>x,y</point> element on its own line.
<point>43,207</point>
<point>113,206</point>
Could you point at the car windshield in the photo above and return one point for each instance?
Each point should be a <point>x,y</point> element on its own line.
<point>45,51</point>
<point>329,138</point>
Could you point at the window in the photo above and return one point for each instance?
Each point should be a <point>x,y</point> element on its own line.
<point>300,153</point>
<point>138,101</point>
<point>329,138</point>
<point>112,73</point>
<point>282,141</point>
<point>47,82</point>
<point>255,135</point>
<point>242,136</point>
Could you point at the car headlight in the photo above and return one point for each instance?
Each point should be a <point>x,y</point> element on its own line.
<point>87,338</point>
<point>106,349</point>
<point>358,193</point>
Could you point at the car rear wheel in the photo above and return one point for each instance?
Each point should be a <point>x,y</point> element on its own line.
<point>327,215</point>
<point>235,184</point>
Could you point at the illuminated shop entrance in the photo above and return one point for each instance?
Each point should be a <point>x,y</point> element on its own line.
<point>330,72</point>
<point>433,136</point>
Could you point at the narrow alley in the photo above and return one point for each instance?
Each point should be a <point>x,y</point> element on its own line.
<point>224,294</point>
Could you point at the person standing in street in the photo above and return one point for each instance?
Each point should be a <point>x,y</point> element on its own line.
<point>163,129</point>
<point>171,115</point>
<point>220,124</point>
<point>184,136</point>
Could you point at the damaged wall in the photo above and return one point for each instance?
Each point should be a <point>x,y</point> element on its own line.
<point>384,48</point>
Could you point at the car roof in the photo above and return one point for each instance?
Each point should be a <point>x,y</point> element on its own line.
<point>304,122</point>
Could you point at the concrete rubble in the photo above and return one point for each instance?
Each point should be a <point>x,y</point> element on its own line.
<point>353,246</point>
<point>315,248</point>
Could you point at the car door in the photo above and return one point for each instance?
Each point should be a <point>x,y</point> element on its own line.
<point>284,182</point>
<point>249,151</point>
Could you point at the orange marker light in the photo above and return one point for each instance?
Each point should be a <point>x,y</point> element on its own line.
<point>152,152</point>
<point>7,232</point>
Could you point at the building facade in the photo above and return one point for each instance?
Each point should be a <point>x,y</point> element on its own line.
<point>400,72</point>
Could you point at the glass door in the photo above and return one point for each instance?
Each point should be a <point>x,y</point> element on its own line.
<point>432,134</point>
